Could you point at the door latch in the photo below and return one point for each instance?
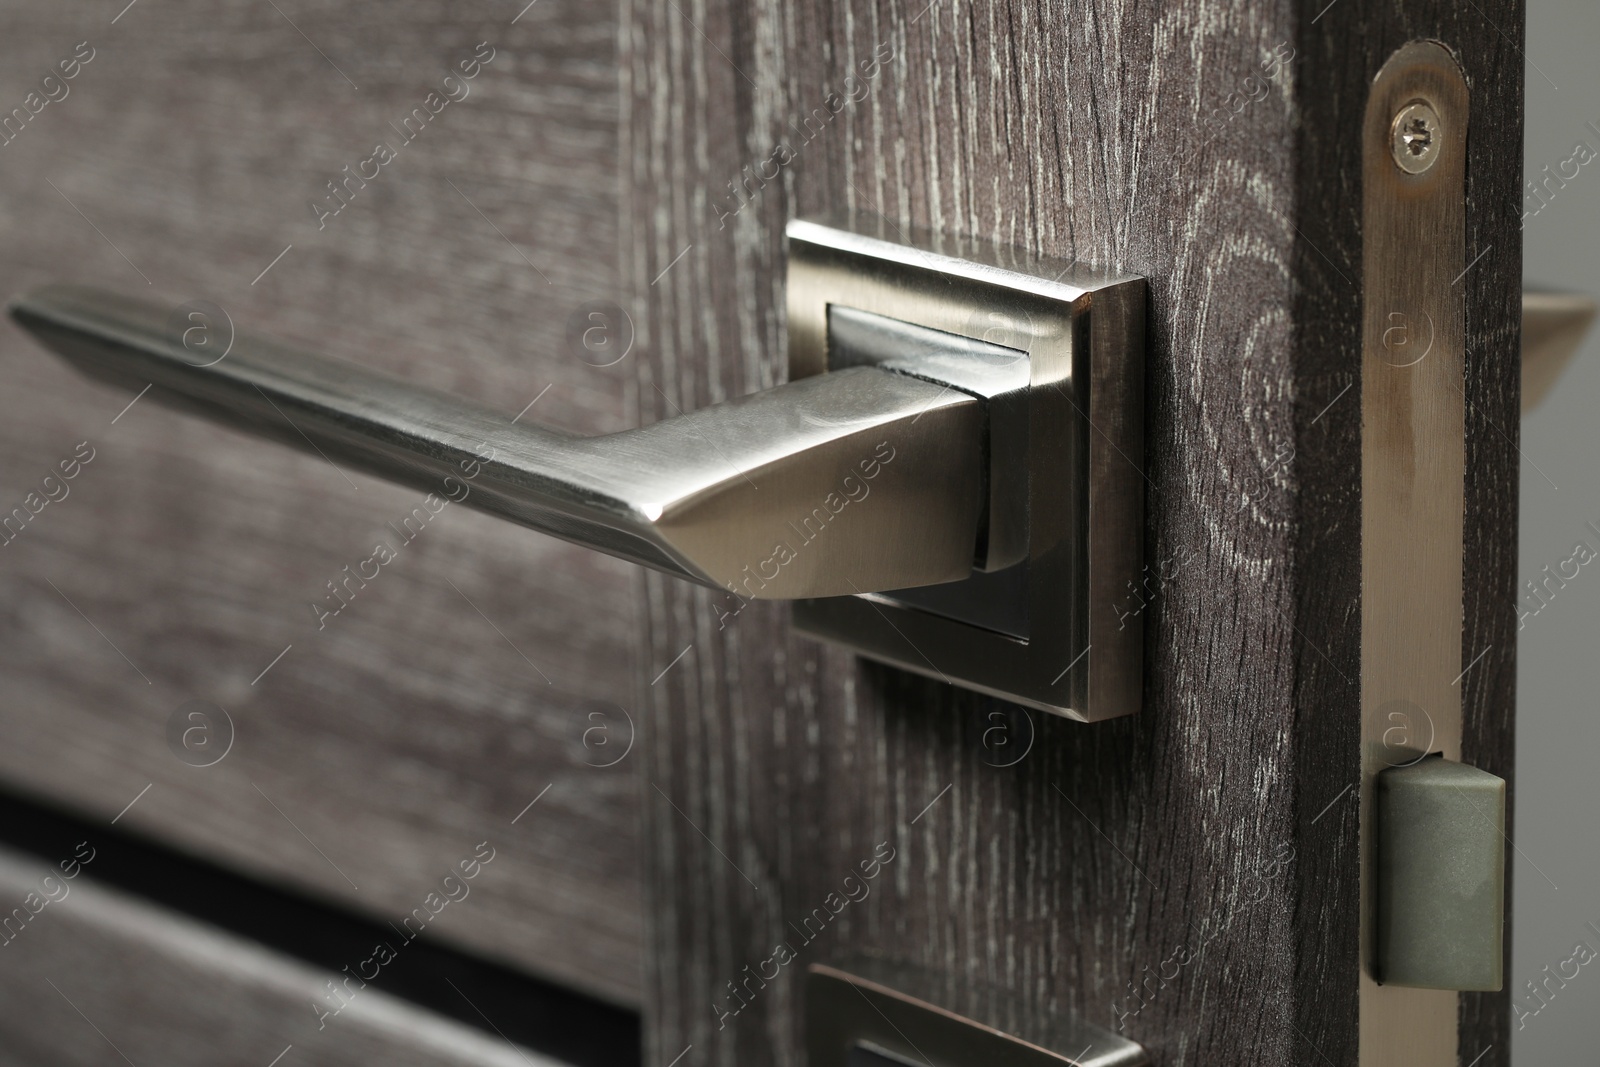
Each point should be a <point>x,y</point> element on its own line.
<point>949,481</point>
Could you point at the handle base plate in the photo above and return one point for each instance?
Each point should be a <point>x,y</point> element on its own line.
<point>1053,620</point>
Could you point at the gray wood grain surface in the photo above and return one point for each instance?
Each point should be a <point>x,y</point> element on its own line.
<point>1188,875</point>
<point>182,163</point>
<point>774,767</point>
<point>92,976</point>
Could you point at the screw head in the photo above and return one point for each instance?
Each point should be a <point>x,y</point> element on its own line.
<point>1414,137</point>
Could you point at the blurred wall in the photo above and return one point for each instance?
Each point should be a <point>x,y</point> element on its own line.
<point>1556,870</point>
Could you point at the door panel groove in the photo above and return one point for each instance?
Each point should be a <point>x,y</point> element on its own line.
<point>534,1013</point>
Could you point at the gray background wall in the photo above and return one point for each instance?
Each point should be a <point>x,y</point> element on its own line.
<point>1556,871</point>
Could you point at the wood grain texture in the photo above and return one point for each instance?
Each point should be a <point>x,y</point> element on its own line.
<point>1189,874</point>
<point>459,684</point>
<point>95,977</point>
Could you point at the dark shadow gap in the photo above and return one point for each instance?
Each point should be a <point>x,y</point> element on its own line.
<point>534,1013</point>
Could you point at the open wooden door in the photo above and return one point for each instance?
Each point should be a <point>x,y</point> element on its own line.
<point>684,799</point>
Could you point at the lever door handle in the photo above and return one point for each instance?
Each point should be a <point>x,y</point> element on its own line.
<point>959,443</point>
<point>854,481</point>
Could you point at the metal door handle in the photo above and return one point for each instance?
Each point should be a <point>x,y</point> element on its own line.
<point>860,480</point>
<point>959,443</point>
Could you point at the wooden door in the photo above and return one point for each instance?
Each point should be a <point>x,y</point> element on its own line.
<point>648,156</point>
<point>1214,148</point>
<point>190,157</point>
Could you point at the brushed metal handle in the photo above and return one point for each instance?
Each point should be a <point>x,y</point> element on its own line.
<point>858,480</point>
